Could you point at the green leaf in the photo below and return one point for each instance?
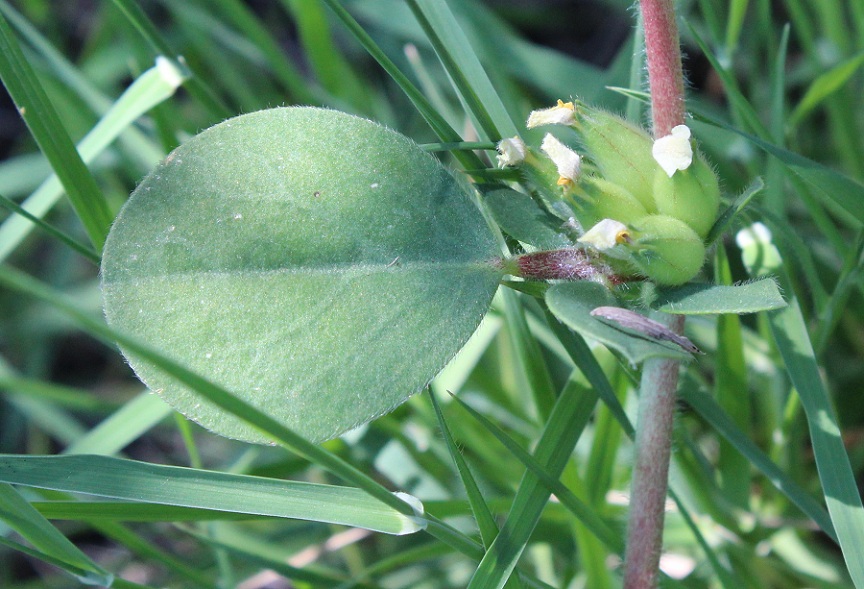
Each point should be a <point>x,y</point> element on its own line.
<point>31,525</point>
<point>187,487</point>
<point>521,217</point>
<point>705,299</point>
<point>317,265</point>
<point>573,302</point>
<point>47,129</point>
<point>825,85</point>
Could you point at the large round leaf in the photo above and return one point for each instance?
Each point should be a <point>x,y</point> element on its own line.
<point>318,265</point>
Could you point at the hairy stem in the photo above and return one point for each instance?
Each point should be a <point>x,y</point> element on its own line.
<point>659,376</point>
<point>663,55</point>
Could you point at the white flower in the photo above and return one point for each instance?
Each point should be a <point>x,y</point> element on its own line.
<point>567,161</point>
<point>512,152</point>
<point>674,152</point>
<point>561,114</point>
<point>606,234</point>
<point>757,233</point>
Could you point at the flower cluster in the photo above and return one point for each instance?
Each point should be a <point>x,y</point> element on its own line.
<point>648,204</point>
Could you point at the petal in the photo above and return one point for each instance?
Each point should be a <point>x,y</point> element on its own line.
<point>561,114</point>
<point>567,161</point>
<point>605,235</point>
<point>674,151</point>
<point>511,152</point>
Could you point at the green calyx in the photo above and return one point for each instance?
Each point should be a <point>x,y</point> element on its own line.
<point>666,249</point>
<point>664,191</point>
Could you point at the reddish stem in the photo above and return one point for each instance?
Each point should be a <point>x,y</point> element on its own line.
<point>665,76</point>
<point>659,376</point>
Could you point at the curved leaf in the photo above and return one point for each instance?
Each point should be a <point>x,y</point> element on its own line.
<point>317,265</point>
<point>573,302</point>
<point>705,299</point>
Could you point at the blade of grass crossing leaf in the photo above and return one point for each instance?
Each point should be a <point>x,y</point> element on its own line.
<point>152,87</point>
<point>31,525</point>
<point>122,428</point>
<point>565,425</point>
<point>19,281</point>
<point>587,363</point>
<point>732,394</point>
<point>460,61</point>
<point>48,131</point>
<point>438,124</point>
<point>186,487</point>
<point>485,521</point>
<point>51,230</point>
<point>529,356</point>
<point>482,515</point>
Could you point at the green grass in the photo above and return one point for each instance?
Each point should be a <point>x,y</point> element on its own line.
<point>767,446</point>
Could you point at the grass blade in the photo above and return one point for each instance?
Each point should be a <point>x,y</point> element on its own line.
<point>30,524</point>
<point>48,131</point>
<point>186,487</point>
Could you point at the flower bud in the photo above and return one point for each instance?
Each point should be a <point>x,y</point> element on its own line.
<point>665,249</point>
<point>692,195</point>
<point>605,200</point>
<point>621,151</point>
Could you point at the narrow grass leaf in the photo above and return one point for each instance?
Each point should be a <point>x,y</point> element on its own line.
<point>835,472</point>
<point>197,88</point>
<point>569,417</point>
<point>714,415</point>
<point>122,428</point>
<point>149,89</point>
<point>186,487</point>
<point>437,122</point>
<point>48,131</point>
<point>529,359</point>
<point>31,525</point>
<point>123,511</point>
<point>824,86</point>
<point>467,73</point>
<point>731,391</point>
<point>482,515</point>
<point>61,236</point>
<point>585,513</point>
<point>728,216</point>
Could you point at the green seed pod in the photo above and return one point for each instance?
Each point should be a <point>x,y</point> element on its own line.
<point>692,195</point>
<point>606,200</point>
<point>665,249</point>
<point>621,150</point>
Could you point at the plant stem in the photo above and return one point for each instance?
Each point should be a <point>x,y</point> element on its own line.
<point>665,76</point>
<point>659,376</point>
